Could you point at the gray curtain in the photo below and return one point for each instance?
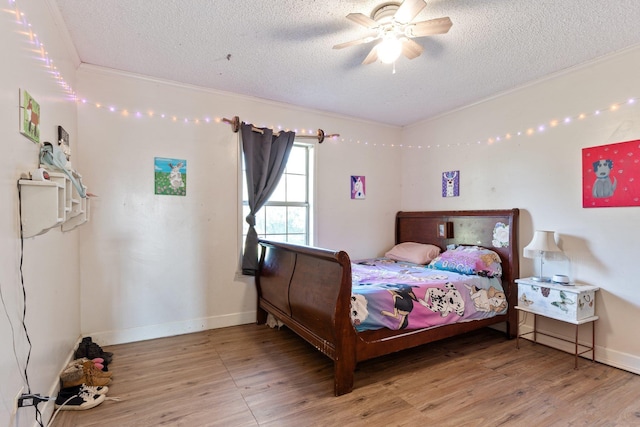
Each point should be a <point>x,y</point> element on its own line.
<point>265,157</point>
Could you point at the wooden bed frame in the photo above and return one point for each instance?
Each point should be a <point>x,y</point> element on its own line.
<point>309,289</point>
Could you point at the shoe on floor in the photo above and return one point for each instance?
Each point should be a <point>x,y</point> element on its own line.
<point>83,388</point>
<point>79,402</point>
<point>87,348</point>
<point>85,363</point>
<point>86,373</point>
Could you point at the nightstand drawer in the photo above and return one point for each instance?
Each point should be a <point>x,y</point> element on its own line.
<point>572,303</point>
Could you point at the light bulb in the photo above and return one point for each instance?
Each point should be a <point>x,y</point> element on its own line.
<point>389,50</point>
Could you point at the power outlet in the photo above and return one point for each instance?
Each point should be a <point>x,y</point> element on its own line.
<point>15,401</point>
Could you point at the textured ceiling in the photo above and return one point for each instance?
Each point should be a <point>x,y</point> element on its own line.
<point>281,50</point>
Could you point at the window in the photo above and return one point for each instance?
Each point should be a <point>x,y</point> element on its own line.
<point>286,217</point>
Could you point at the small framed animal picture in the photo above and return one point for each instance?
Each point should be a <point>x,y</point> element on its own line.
<point>63,142</point>
<point>445,229</point>
<point>611,175</point>
<point>29,116</point>
<point>451,184</point>
<point>170,176</point>
<point>358,190</point>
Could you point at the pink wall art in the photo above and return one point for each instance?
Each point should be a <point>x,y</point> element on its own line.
<point>611,175</point>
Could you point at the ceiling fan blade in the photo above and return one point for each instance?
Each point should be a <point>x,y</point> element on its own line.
<point>372,56</point>
<point>364,40</point>
<point>410,48</point>
<point>362,19</point>
<point>408,10</point>
<point>427,28</point>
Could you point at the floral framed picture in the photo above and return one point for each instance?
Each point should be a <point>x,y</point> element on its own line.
<point>611,175</point>
<point>29,116</point>
<point>170,176</point>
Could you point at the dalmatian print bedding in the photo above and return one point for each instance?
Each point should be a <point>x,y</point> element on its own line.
<point>401,295</point>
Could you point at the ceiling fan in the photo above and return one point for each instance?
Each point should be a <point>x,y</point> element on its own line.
<point>394,30</point>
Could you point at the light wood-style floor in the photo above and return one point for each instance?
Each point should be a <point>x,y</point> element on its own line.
<point>255,376</point>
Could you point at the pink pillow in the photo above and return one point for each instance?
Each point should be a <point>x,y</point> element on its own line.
<point>417,253</point>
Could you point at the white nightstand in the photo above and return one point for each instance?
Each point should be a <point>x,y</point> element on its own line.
<point>574,303</point>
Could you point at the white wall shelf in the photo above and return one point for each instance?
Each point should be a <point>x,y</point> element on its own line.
<point>79,211</point>
<point>41,209</point>
<point>50,203</point>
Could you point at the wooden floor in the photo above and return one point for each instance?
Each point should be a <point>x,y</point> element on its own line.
<point>255,376</point>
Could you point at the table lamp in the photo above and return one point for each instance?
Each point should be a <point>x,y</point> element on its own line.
<point>542,242</point>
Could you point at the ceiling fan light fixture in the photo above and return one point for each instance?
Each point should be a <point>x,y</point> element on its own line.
<point>396,27</point>
<point>389,49</point>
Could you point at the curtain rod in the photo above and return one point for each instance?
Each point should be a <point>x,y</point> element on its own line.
<point>320,135</point>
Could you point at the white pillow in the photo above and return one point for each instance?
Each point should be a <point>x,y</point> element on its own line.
<point>417,253</point>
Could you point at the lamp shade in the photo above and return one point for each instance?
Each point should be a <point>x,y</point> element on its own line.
<point>543,241</point>
<point>390,49</point>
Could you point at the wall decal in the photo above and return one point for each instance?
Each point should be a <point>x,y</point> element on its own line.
<point>358,190</point>
<point>29,116</point>
<point>451,184</point>
<point>500,235</point>
<point>611,175</point>
<point>170,176</point>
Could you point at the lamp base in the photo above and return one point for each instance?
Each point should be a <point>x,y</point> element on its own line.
<point>541,279</point>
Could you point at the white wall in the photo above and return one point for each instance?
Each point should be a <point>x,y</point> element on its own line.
<point>148,266</point>
<point>51,275</point>
<point>154,265</point>
<point>541,175</point>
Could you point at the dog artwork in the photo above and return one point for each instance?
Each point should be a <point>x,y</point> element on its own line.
<point>617,175</point>
<point>444,301</point>
<point>487,300</point>
<point>603,186</point>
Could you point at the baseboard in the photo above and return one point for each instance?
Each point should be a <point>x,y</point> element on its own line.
<point>163,330</point>
<point>616,359</point>
<point>48,407</point>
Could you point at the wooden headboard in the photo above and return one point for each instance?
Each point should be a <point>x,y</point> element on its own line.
<point>466,228</point>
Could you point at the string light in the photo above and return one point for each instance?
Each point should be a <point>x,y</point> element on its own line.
<point>32,36</point>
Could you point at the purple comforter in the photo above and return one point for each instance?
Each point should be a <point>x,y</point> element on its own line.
<point>400,295</point>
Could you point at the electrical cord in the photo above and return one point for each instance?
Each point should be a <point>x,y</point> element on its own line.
<point>59,408</point>
<point>13,334</point>
<point>38,415</point>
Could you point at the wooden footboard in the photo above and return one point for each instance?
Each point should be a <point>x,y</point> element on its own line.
<point>309,289</point>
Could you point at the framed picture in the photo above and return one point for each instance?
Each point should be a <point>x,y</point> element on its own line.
<point>611,175</point>
<point>63,141</point>
<point>358,190</point>
<point>29,116</point>
<point>451,184</point>
<point>170,176</point>
<point>445,229</point>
